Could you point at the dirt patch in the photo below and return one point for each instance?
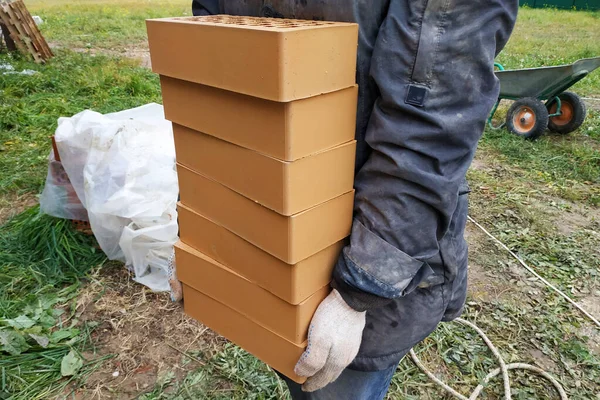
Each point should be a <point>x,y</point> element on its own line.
<point>479,164</point>
<point>576,219</point>
<point>141,55</point>
<point>148,335</point>
<point>593,343</point>
<point>514,284</point>
<point>542,360</point>
<point>138,52</point>
<point>484,284</point>
<point>569,222</point>
<point>592,305</point>
<point>13,204</point>
<point>593,103</point>
<point>487,161</point>
<point>507,283</point>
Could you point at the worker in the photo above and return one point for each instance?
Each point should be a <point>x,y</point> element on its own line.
<point>425,71</point>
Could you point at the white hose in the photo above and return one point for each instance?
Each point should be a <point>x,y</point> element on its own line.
<point>504,368</point>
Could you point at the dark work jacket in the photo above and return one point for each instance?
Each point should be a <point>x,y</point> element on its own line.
<point>426,85</point>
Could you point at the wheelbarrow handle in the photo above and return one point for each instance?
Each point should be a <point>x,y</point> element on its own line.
<point>489,121</point>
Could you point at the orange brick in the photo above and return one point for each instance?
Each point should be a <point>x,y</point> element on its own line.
<point>286,187</point>
<point>217,281</point>
<point>292,283</point>
<point>274,59</point>
<point>289,238</point>
<point>267,346</point>
<point>287,131</point>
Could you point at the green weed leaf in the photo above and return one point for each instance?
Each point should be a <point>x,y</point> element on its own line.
<point>47,301</point>
<point>63,334</point>
<point>21,322</point>
<point>13,342</point>
<point>71,364</point>
<point>47,321</point>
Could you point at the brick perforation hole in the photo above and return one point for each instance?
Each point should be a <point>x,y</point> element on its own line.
<point>255,21</point>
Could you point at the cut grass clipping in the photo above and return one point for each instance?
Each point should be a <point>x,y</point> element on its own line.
<point>42,262</point>
<point>232,374</point>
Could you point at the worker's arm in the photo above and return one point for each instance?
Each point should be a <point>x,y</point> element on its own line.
<point>423,133</point>
<point>205,7</point>
<point>432,65</point>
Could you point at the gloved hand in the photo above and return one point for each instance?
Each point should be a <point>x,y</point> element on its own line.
<point>333,341</point>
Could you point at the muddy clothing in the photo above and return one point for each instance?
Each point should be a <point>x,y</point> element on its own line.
<point>426,86</point>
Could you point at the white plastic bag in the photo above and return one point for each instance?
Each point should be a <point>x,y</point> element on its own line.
<point>148,246</point>
<point>122,167</point>
<point>58,197</point>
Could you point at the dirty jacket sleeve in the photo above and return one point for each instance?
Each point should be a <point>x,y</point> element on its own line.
<point>205,7</point>
<point>432,64</point>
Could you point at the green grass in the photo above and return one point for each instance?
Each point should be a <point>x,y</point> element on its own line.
<point>545,37</point>
<point>570,165</point>
<point>523,193</point>
<point>528,214</point>
<point>112,24</point>
<point>38,252</point>
<point>42,263</point>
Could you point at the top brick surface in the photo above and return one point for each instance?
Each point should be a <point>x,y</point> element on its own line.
<point>274,24</point>
<point>274,59</point>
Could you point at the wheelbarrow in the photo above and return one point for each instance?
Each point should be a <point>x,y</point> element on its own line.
<point>541,100</point>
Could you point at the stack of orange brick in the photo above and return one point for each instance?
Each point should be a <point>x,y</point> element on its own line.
<point>263,114</point>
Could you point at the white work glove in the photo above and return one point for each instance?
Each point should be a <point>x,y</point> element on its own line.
<point>333,341</point>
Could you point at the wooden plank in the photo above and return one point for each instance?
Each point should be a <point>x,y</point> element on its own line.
<point>19,22</point>
<point>20,35</point>
<point>14,34</point>
<point>34,31</point>
<point>23,30</point>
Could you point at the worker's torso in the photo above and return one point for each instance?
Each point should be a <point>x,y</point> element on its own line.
<point>332,10</point>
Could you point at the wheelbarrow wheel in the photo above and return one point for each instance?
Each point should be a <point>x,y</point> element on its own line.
<point>572,110</point>
<point>527,118</point>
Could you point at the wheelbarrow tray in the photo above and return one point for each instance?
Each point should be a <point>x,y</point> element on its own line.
<point>543,83</point>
